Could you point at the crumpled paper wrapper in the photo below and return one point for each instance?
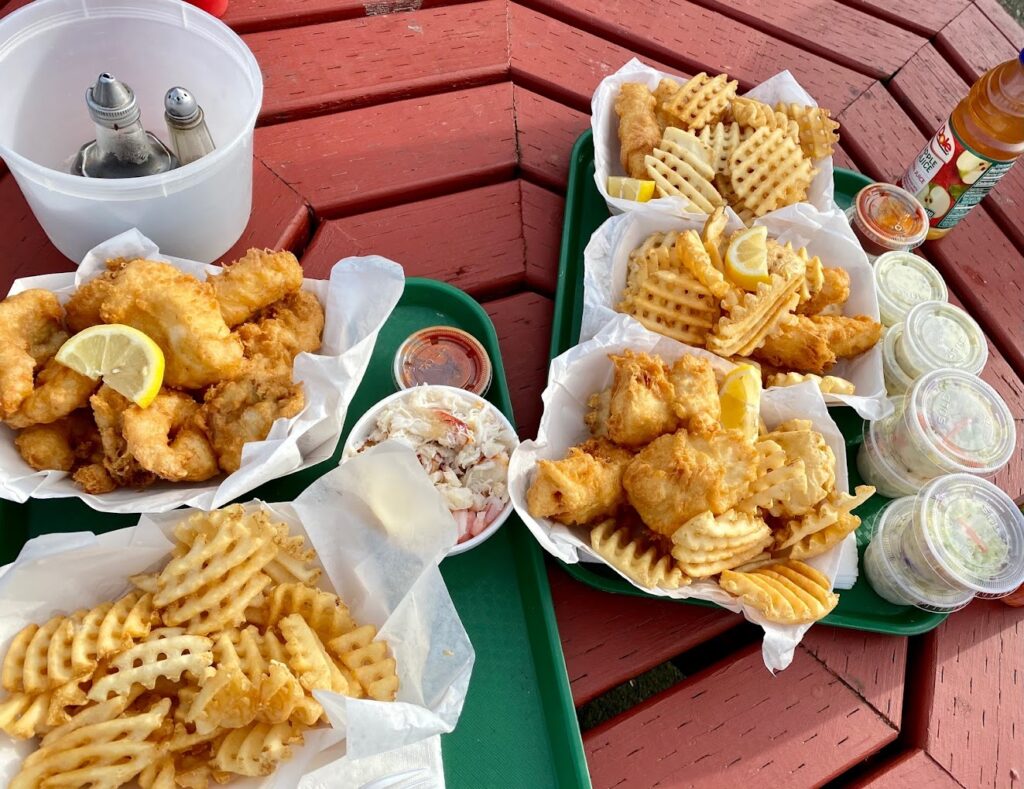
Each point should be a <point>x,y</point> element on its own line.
<point>357,299</point>
<point>585,369</point>
<point>380,553</point>
<point>825,234</point>
<point>605,123</point>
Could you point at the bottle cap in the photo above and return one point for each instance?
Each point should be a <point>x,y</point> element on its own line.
<point>111,102</point>
<point>180,105</point>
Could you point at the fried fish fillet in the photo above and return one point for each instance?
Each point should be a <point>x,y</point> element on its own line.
<point>695,400</point>
<point>293,325</point>
<point>639,132</point>
<point>583,487</point>
<point>30,333</point>
<point>638,407</point>
<point>797,345</point>
<point>255,281</point>
<point>835,290</point>
<point>848,336</point>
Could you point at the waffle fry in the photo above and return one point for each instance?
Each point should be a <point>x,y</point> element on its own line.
<point>677,171</point>
<point>657,253</point>
<point>674,304</point>
<point>802,443</point>
<point>294,563</point>
<point>769,171</point>
<point>368,661</point>
<point>826,514</point>
<point>323,611</point>
<point>85,643</point>
<point>702,100</point>
<point>829,384</point>
<point>257,749</point>
<point>785,592</point>
<point>749,317</point>
<point>308,658</point>
<point>706,545</point>
<point>818,133</point>
<point>67,699</point>
<point>693,255</point>
<point>23,715</point>
<point>181,654</point>
<point>722,139</point>
<point>752,114</point>
<point>127,620</point>
<point>635,557</point>
<point>713,237</point>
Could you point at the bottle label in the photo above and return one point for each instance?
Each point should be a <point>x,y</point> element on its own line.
<point>950,178</point>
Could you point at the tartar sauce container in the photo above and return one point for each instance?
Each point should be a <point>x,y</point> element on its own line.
<point>935,335</point>
<point>903,280</point>
<point>897,381</point>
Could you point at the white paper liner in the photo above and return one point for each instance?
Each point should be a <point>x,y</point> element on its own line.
<point>381,554</point>
<point>826,234</point>
<point>585,369</point>
<point>605,123</point>
<point>357,299</point>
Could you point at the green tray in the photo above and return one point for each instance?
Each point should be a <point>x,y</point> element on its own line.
<point>518,727</point>
<point>859,608</point>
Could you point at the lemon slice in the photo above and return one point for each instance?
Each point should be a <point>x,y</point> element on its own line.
<point>128,360</point>
<point>630,188</point>
<point>740,396</point>
<point>746,259</point>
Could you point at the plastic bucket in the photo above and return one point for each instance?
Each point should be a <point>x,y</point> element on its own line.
<point>52,50</point>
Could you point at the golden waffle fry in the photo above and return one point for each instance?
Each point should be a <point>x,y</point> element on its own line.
<point>13,672</point>
<point>225,699</point>
<point>785,592</point>
<point>127,620</point>
<point>818,132</point>
<point>769,171</point>
<point>683,143</point>
<point>23,715</point>
<point>705,545</point>
<point>829,384</point>
<point>821,541</point>
<point>713,237</point>
<point>257,749</point>
<point>657,253</point>
<point>776,485</point>
<point>679,173</point>
<point>165,656</point>
<point>815,272</point>
<point>281,697</point>
<point>67,699</point>
<point>323,611</point>
<point>85,644</point>
<point>294,562</point>
<point>308,658</point>
<point>801,442</point>
<point>694,257</point>
<point>97,713</point>
<point>158,775</point>
<point>749,317</point>
<point>722,139</point>
<point>702,100</point>
<point>761,560</point>
<point>368,661</point>
<point>784,260</point>
<point>752,114</point>
<point>824,515</point>
<point>59,666</point>
<point>637,558</point>
<point>672,303</point>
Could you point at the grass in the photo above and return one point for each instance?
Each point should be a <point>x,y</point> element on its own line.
<point>1016,9</point>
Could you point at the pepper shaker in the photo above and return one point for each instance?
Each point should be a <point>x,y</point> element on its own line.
<point>186,125</point>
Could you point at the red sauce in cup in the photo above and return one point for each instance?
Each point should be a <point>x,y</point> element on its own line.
<point>886,218</point>
<point>443,355</point>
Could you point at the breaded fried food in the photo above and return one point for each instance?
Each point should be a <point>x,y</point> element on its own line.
<point>848,336</point>
<point>253,282</point>
<point>638,407</point>
<point>291,326</point>
<point>30,333</point>
<point>83,308</point>
<point>58,391</point>
<point>61,444</point>
<point>639,132</point>
<point>797,345</point>
<point>695,399</point>
<point>118,465</point>
<point>182,316</point>
<point>835,289</point>
<point>166,439</point>
<point>582,488</point>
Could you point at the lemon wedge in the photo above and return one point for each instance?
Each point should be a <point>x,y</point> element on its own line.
<point>740,396</point>
<point>128,360</point>
<point>630,188</point>
<point>746,259</point>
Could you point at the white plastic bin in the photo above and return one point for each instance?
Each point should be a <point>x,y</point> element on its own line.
<point>52,50</point>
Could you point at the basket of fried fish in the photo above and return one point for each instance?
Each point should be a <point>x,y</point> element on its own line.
<point>143,383</point>
<point>673,468</point>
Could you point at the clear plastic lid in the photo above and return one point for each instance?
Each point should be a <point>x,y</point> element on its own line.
<point>959,422</point>
<point>894,578</point>
<point>937,334</point>
<point>897,381</point>
<point>972,532</point>
<point>887,218</point>
<point>881,468</point>
<point>904,280</point>
<point>443,355</point>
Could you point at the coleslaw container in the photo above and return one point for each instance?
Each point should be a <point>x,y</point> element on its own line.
<point>904,280</point>
<point>897,380</point>
<point>935,335</point>
<point>879,465</point>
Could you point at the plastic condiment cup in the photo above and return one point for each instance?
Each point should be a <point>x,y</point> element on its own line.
<point>903,280</point>
<point>897,381</point>
<point>953,422</point>
<point>935,335</point>
<point>969,533</point>
<point>879,465</point>
<point>898,581</point>
<point>444,356</point>
<point>886,218</point>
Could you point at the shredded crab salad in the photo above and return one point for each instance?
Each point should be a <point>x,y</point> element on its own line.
<point>461,444</point>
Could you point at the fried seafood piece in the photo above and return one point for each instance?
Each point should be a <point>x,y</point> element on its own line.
<point>117,465</point>
<point>166,438</point>
<point>639,132</point>
<point>835,290</point>
<point>293,325</point>
<point>679,476</point>
<point>61,444</point>
<point>696,400</point>
<point>638,407</point>
<point>253,282</point>
<point>581,488</point>
<point>30,333</point>
<point>848,336</point>
<point>83,308</point>
<point>58,391</point>
<point>797,345</point>
<point>181,315</point>
<point>245,409</point>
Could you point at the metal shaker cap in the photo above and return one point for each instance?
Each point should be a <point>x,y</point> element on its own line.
<point>111,102</point>
<point>180,105</point>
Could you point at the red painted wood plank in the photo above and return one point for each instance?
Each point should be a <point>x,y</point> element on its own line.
<point>698,39</point>
<point>547,131</point>
<point>251,15</point>
<point>879,134</point>
<point>341,65</point>
<point>873,665</point>
<point>406,150</point>
<point>922,16</point>
<point>973,44</point>
<point>968,715</point>
<point>523,323</point>
<point>912,770</point>
<point>609,639</point>
<point>280,218</point>
<point>542,232</point>
<point>736,723</point>
<point>840,158</point>
<point>472,239</point>
<point>1001,18</point>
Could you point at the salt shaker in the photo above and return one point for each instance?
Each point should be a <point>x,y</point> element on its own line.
<point>186,125</point>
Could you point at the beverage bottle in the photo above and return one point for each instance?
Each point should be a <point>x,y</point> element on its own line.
<point>972,150</point>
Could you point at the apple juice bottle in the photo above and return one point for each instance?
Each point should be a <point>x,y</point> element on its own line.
<point>972,150</point>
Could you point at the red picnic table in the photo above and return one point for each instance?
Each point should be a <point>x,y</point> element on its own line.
<point>438,133</point>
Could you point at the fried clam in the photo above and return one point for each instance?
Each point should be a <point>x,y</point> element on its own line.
<point>30,333</point>
<point>83,307</point>
<point>118,468</point>
<point>58,390</point>
<point>286,328</point>
<point>167,440</point>
<point>62,444</point>
<point>253,282</point>
<point>581,488</point>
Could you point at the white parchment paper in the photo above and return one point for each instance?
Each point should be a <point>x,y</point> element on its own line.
<point>824,233</point>
<point>357,299</point>
<point>605,123</point>
<point>379,552</point>
<point>585,369</point>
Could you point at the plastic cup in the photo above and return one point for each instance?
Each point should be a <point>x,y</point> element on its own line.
<point>52,50</point>
<point>903,280</point>
<point>894,578</point>
<point>897,381</point>
<point>936,335</point>
<point>952,423</point>
<point>969,533</point>
<point>879,465</point>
